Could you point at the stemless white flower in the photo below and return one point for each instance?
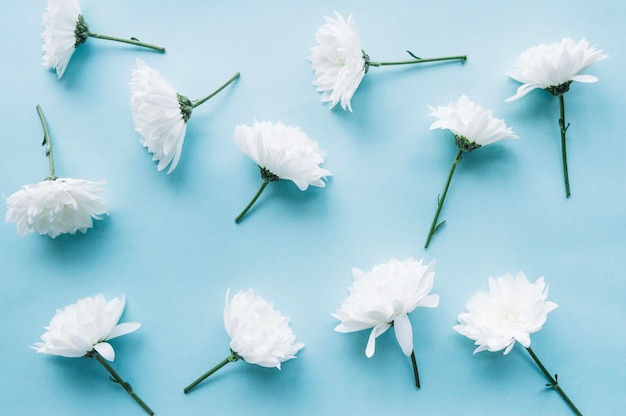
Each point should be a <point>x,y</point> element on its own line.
<point>338,61</point>
<point>53,207</point>
<point>554,66</point>
<point>85,326</point>
<point>281,152</point>
<point>513,309</point>
<point>60,36</point>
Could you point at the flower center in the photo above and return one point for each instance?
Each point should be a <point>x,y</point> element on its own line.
<point>82,31</point>
<point>268,176</point>
<point>464,144</point>
<point>186,107</point>
<point>559,89</point>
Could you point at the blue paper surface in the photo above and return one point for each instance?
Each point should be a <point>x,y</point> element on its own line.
<point>170,244</point>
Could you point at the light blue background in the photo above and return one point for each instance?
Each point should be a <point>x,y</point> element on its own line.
<point>171,246</point>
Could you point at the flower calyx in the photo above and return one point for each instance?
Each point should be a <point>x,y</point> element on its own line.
<point>268,176</point>
<point>559,89</point>
<point>186,106</point>
<point>464,144</point>
<point>366,61</point>
<point>82,31</point>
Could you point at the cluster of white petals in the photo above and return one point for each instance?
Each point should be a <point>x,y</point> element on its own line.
<point>259,334</point>
<point>513,309</point>
<point>157,115</point>
<point>53,207</point>
<point>338,61</point>
<point>284,151</point>
<point>470,121</point>
<point>59,37</point>
<point>384,297</point>
<point>85,326</point>
<point>552,65</point>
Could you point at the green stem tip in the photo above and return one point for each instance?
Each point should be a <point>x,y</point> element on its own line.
<point>230,359</point>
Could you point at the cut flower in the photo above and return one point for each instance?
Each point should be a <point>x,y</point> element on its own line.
<point>259,334</point>
<point>472,127</point>
<point>340,63</point>
<point>384,297</point>
<point>161,114</point>
<point>281,152</point>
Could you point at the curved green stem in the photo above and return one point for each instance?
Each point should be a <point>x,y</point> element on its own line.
<point>434,226</point>
<point>564,127</point>
<point>48,143</point>
<point>230,359</point>
<point>415,372</point>
<point>131,41</point>
<point>116,378</point>
<point>247,208</point>
<point>554,382</point>
<point>418,60</point>
<point>214,93</point>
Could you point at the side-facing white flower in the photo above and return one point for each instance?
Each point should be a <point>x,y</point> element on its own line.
<point>554,66</point>
<point>281,152</point>
<point>513,309</point>
<point>53,207</point>
<point>384,297</point>
<point>85,326</point>
<point>161,114</point>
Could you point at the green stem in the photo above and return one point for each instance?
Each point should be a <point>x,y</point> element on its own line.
<point>230,359</point>
<point>415,372</point>
<point>214,93</point>
<point>48,143</point>
<point>116,378</point>
<point>417,60</point>
<point>554,383</point>
<point>564,127</point>
<point>434,225</point>
<point>132,41</point>
<point>247,208</point>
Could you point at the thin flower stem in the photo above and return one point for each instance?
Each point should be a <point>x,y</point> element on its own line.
<point>461,58</point>
<point>247,208</point>
<point>554,383</point>
<point>121,382</point>
<point>434,225</point>
<point>230,359</point>
<point>132,41</point>
<point>214,93</point>
<point>48,143</point>
<point>415,372</point>
<point>564,127</point>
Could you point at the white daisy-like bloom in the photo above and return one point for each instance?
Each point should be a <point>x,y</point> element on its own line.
<point>259,334</point>
<point>513,309</point>
<point>85,326</point>
<point>384,297</point>
<point>62,33</point>
<point>338,61</point>
<point>471,125</point>
<point>160,115</point>
<point>54,207</point>
<point>554,66</point>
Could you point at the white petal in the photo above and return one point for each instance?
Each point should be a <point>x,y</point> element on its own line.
<point>123,329</point>
<point>371,342</point>
<point>106,350</point>
<point>404,333</point>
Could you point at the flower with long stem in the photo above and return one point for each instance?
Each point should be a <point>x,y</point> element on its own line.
<point>383,298</point>
<point>513,309</point>
<point>473,127</point>
<point>258,334</point>
<point>340,63</point>
<point>55,205</point>
<point>161,114</point>
<point>66,29</point>
<point>83,329</point>
<point>281,152</point>
<point>553,67</point>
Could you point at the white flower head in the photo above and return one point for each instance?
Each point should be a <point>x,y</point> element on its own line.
<point>554,66</point>
<point>384,297</point>
<point>62,34</point>
<point>85,326</point>
<point>259,334</point>
<point>53,207</point>
<point>471,125</point>
<point>513,309</point>
<point>338,61</point>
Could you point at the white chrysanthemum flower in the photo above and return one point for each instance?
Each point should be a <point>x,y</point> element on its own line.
<point>554,66</point>
<point>259,334</point>
<point>282,152</point>
<point>53,207</point>
<point>338,61</point>
<point>513,309</point>
<point>384,297</point>
<point>85,326</point>
<point>61,34</point>
<point>471,125</point>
